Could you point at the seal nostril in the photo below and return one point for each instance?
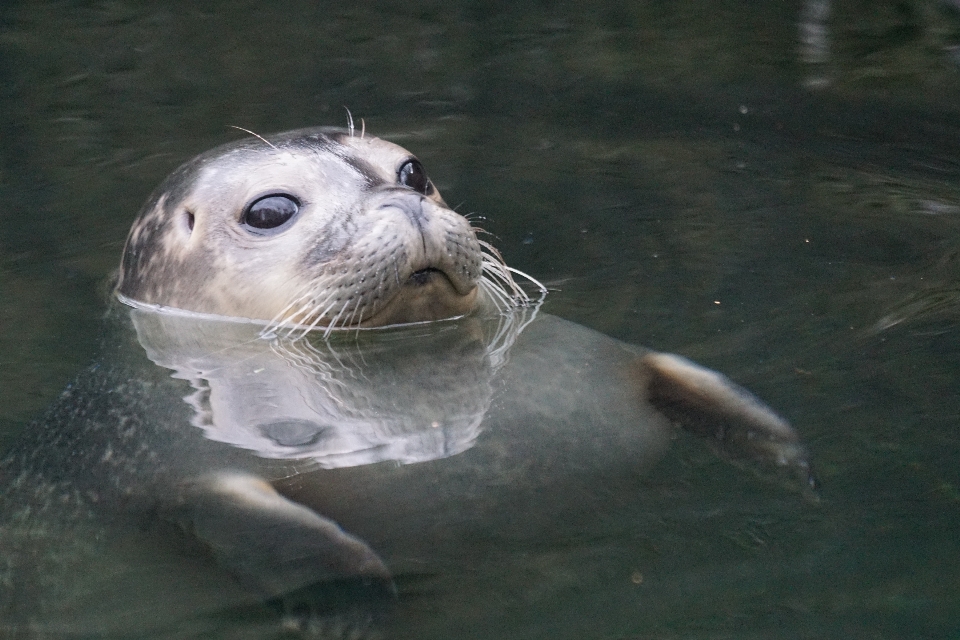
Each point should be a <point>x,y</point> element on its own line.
<point>189,217</point>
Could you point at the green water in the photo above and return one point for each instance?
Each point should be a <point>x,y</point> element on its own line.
<point>700,177</point>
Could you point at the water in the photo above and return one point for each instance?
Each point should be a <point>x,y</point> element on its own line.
<point>772,191</point>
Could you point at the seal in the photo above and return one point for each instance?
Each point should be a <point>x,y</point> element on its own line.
<point>318,385</point>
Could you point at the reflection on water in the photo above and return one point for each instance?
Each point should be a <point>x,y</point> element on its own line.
<point>815,40</point>
<point>382,397</point>
<point>660,165</point>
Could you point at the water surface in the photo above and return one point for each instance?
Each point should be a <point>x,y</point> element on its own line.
<point>772,189</point>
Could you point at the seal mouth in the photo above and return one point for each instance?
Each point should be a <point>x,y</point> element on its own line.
<point>427,294</point>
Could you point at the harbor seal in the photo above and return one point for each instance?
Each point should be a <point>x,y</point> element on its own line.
<point>315,384</point>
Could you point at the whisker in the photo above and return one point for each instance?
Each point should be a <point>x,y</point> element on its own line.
<point>349,120</point>
<point>500,301</point>
<point>498,271</point>
<point>500,282</point>
<point>255,135</point>
<point>333,323</point>
<point>278,320</point>
<point>303,313</point>
<point>291,323</point>
<point>320,316</point>
<point>541,288</point>
<point>357,309</point>
<point>310,327</point>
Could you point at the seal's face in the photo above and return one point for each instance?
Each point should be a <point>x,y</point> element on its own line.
<point>313,227</point>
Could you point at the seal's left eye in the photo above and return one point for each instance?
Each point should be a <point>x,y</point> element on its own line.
<point>412,174</point>
<point>270,212</point>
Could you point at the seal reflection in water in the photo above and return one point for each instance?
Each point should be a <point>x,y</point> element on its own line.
<point>295,466</point>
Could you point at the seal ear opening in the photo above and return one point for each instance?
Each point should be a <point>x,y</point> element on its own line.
<point>189,220</point>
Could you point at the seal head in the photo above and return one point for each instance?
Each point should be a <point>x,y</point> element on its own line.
<point>315,227</point>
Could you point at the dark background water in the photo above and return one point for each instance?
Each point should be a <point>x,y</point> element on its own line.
<point>771,188</point>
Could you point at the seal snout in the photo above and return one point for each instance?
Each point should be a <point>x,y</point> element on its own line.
<point>440,246</point>
<point>410,204</point>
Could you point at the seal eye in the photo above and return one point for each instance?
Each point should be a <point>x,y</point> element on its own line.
<point>412,174</point>
<point>270,212</point>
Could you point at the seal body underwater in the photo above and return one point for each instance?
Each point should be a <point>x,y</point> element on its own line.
<point>318,381</point>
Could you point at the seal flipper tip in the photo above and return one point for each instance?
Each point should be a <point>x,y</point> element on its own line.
<point>273,545</point>
<point>737,423</point>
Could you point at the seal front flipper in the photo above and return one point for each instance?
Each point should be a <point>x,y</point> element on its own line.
<point>738,424</point>
<point>274,545</point>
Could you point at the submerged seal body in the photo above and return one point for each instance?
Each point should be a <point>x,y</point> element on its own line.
<point>244,445</point>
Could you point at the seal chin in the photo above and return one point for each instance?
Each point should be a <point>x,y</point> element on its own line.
<point>427,295</point>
